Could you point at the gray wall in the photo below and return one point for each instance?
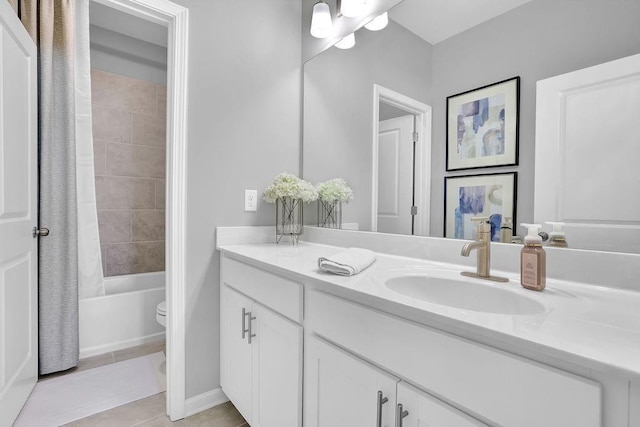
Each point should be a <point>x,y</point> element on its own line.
<point>541,39</point>
<point>127,56</point>
<point>338,106</point>
<point>244,128</point>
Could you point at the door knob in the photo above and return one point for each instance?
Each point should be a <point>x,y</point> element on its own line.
<point>40,232</point>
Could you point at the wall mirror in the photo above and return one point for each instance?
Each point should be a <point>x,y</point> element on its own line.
<point>427,53</point>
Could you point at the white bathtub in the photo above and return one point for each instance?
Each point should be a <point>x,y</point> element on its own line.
<point>124,317</point>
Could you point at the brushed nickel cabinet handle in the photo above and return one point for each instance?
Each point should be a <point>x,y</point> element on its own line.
<point>400,414</point>
<point>249,330</point>
<point>381,401</point>
<point>244,323</point>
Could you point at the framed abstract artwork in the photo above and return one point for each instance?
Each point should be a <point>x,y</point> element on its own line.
<point>482,126</point>
<point>491,195</point>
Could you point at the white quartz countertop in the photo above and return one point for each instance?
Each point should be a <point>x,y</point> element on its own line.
<point>592,326</point>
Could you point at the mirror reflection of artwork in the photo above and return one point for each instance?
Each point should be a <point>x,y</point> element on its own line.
<point>484,125</point>
<point>492,196</point>
<point>481,128</point>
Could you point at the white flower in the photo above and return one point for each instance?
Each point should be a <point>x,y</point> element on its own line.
<point>287,185</point>
<point>334,190</point>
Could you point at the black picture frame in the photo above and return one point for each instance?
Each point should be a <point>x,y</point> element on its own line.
<point>481,200</point>
<point>482,126</point>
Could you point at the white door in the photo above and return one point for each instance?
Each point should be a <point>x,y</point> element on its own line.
<point>587,151</point>
<point>235,354</point>
<point>276,371</point>
<point>342,390</point>
<point>424,410</point>
<point>18,216</point>
<point>395,175</point>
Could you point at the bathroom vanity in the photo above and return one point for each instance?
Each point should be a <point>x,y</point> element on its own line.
<point>303,347</point>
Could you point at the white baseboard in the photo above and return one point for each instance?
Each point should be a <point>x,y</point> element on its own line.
<point>101,349</point>
<point>204,401</point>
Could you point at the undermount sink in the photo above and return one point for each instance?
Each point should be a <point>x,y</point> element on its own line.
<point>465,294</point>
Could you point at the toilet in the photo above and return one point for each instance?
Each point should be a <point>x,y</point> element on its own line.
<point>161,313</point>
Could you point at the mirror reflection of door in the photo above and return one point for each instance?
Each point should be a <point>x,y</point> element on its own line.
<point>396,162</point>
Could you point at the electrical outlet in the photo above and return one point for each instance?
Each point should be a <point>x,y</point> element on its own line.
<point>250,200</point>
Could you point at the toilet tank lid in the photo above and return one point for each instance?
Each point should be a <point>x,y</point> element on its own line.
<point>162,308</point>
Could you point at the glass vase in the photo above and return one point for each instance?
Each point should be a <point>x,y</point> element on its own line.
<point>329,214</point>
<point>288,218</point>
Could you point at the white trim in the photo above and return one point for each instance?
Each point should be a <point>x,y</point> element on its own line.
<point>423,154</point>
<point>176,19</point>
<point>204,401</point>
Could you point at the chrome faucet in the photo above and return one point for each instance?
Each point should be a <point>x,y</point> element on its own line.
<point>482,246</point>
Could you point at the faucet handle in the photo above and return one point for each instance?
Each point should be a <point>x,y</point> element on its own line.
<point>484,226</point>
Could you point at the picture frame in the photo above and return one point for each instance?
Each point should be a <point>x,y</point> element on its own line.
<point>482,126</point>
<point>468,196</point>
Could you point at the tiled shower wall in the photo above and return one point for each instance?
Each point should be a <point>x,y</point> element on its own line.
<point>129,132</point>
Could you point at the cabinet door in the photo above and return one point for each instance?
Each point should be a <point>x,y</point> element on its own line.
<point>276,370</point>
<point>424,410</point>
<point>235,351</point>
<point>342,390</point>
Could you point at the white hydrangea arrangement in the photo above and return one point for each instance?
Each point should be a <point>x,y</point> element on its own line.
<point>288,185</point>
<point>334,190</point>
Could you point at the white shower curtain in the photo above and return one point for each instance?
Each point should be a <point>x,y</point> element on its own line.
<point>90,274</point>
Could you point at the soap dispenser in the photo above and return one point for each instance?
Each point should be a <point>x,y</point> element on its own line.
<point>557,237</point>
<point>533,269</point>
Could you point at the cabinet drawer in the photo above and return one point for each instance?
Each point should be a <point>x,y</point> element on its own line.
<point>494,385</point>
<point>281,295</point>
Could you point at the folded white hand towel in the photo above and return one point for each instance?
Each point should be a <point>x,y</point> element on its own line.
<point>347,263</point>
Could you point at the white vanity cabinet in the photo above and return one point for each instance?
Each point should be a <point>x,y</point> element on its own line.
<point>425,410</point>
<point>361,363</point>
<point>496,387</point>
<point>342,390</point>
<point>261,347</point>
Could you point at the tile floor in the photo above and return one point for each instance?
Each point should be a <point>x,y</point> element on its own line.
<point>148,412</point>
<point>111,357</point>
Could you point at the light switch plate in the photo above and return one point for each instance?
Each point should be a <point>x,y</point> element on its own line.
<point>250,200</point>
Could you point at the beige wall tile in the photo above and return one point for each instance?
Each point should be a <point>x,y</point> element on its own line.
<point>115,226</point>
<point>125,193</point>
<point>99,157</point>
<point>112,90</point>
<point>147,226</point>
<point>135,160</point>
<point>160,194</point>
<point>110,124</point>
<point>149,130</point>
<point>131,258</point>
<point>162,100</point>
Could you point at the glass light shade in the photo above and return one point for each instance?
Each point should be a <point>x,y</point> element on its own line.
<point>346,43</point>
<point>352,8</point>
<point>321,20</point>
<point>378,23</point>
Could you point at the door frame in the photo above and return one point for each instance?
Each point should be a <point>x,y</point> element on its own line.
<point>176,19</point>
<point>422,194</point>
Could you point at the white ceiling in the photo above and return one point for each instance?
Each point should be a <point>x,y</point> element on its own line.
<point>437,20</point>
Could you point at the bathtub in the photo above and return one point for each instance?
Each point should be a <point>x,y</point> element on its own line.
<point>125,316</point>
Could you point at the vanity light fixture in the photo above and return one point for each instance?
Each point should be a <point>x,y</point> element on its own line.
<point>321,20</point>
<point>347,43</point>
<point>378,23</point>
<point>352,8</point>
